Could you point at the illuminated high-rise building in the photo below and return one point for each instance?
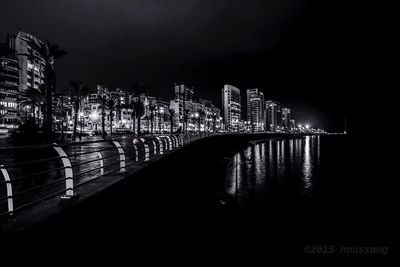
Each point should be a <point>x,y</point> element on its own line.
<point>31,63</point>
<point>231,107</point>
<point>286,118</point>
<point>271,118</point>
<point>255,109</point>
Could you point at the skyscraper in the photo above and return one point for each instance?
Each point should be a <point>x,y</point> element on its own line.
<point>21,69</point>
<point>271,115</point>
<point>183,95</point>
<point>9,87</point>
<point>286,118</point>
<point>231,107</point>
<point>255,109</point>
<point>32,65</point>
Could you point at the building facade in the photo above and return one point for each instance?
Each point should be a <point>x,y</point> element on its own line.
<point>9,92</point>
<point>286,118</point>
<point>182,102</point>
<point>271,118</point>
<point>231,107</point>
<point>32,65</point>
<point>255,110</point>
<point>21,70</point>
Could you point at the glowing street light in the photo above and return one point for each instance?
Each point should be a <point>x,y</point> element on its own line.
<point>307,126</point>
<point>94,115</point>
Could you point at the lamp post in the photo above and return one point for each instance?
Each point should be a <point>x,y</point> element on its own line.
<point>197,116</point>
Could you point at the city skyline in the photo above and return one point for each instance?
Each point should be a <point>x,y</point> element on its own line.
<point>24,79</point>
<point>281,50</point>
<point>190,129</point>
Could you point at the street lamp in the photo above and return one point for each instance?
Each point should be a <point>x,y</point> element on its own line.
<point>196,115</point>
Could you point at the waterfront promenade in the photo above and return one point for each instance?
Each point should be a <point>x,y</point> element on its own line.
<point>38,182</point>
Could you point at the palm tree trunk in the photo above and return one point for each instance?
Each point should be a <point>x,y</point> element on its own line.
<point>199,124</point>
<point>214,125</point>
<point>111,121</point>
<point>103,123</point>
<point>103,117</point>
<point>159,123</point>
<point>172,125</point>
<point>34,111</point>
<point>76,107</point>
<point>62,118</point>
<point>138,126</point>
<point>75,124</point>
<point>133,125</point>
<point>151,126</point>
<point>48,127</point>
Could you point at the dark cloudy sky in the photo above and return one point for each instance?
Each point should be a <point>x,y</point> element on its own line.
<point>301,53</point>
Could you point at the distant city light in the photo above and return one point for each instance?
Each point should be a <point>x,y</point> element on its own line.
<point>307,126</point>
<point>94,115</point>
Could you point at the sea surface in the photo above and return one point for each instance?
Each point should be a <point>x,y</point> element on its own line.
<point>268,196</point>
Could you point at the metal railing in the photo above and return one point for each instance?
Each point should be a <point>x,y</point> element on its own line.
<point>33,174</point>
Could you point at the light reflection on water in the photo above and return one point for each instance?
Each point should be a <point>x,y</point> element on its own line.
<point>273,161</point>
<point>307,166</point>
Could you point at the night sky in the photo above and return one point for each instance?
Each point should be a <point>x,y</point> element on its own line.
<point>307,55</point>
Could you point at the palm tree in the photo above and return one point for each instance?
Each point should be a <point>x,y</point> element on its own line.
<point>111,105</point>
<point>48,52</point>
<point>138,111</point>
<point>185,119</point>
<point>151,109</point>
<point>201,115</point>
<point>78,92</point>
<point>133,116</point>
<point>32,98</point>
<point>214,118</point>
<point>147,119</point>
<point>160,117</point>
<point>138,89</point>
<point>118,109</point>
<point>61,94</point>
<point>103,106</point>
<point>172,114</point>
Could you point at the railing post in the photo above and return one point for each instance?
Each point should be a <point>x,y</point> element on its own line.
<point>175,140</point>
<point>10,200</point>
<point>168,141</point>
<point>69,176</point>
<point>136,153</point>
<point>161,145</point>
<point>134,141</point>
<point>100,156</point>
<point>154,148</point>
<point>146,150</point>
<point>171,143</point>
<point>121,156</point>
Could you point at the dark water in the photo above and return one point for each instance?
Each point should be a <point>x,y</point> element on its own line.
<point>238,199</point>
<point>285,164</point>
